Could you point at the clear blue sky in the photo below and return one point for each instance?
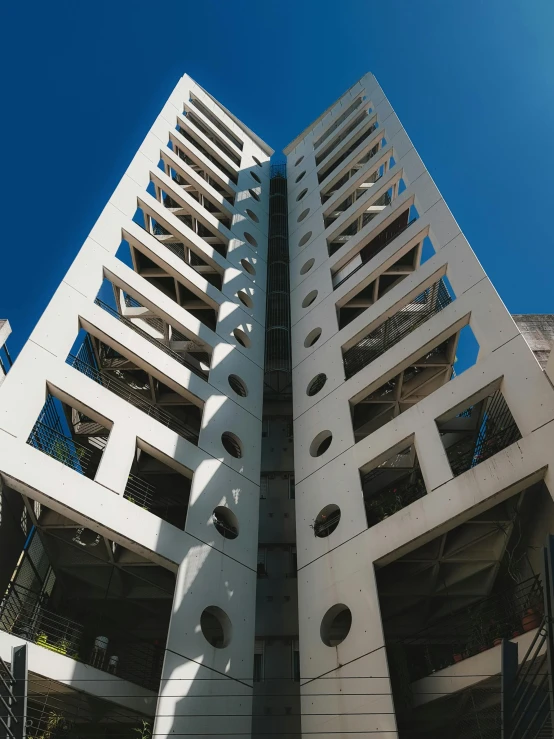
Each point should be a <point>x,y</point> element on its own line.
<point>82,82</point>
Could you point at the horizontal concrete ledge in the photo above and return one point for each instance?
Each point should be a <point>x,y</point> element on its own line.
<point>79,676</point>
<point>466,673</point>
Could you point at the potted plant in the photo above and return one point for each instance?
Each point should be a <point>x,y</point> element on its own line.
<point>458,655</point>
<point>62,646</point>
<point>531,619</point>
<point>145,731</point>
<point>42,639</point>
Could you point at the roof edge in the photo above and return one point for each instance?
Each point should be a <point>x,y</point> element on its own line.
<point>293,144</point>
<point>261,143</point>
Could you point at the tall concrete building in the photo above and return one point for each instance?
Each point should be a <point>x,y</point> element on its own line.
<point>275,459</point>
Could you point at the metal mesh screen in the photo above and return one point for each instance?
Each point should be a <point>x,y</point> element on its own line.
<point>277,339</point>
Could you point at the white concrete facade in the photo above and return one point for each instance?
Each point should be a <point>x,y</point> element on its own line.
<point>340,568</point>
<point>189,313</point>
<point>211,570</point>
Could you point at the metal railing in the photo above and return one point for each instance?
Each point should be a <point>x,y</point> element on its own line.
<point>462,458</point>
<point>156,342</point>
<point>131,302</point>
<point>61,447</point>
<point>427,304</point>
<point>147,496</point>
<point>9,721</point>
<point>122,390</point>
<point>327,526</point>
<point>392,498</point>
<point>380,248</point>
<point>475,629</point>
<point>227,530</point>
<point>25,614</point>
<point>497,431</point>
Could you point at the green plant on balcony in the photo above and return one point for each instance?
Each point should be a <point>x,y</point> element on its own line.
<point>61,647</point>
<point>56,726</point>
<point>145,731</point>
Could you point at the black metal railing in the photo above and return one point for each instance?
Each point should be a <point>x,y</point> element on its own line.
<point>156,342</point>
<point>380,248</point>
<point>8,719</point>
<point>277,361</point>
<point>392,498</point>
<point>529,700</point>
<point>497,431</point>
<point>475,629</point>
<point>147,496</point>
<point>326,526</point>
<point>464,455</point>
<point>26,614</point>
<point>227,530</point>
<point>427,304</point>
<point>61,447</point>
<point>131,302</point>
<point>121,389</point>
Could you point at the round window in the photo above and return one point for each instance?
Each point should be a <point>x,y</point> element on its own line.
<point>225,522</point>
<point>237,385</point>
<point>309,299</point>
<point>216,626</point>
<point>232,444</point>
<point>316,384</point>
<point>242,338</point>
<point>321,443</point>
<point>327,521</point>
<point>305,238</point>
<point>336,625</point>
<point>312,337</point>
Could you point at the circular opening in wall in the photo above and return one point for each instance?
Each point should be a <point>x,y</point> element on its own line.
<point>326,521</point>
<point>252,215</point>
<point>245,299</point>
<point>321,443</point>
<point>216,627</point>
<point>241,337</point>
<point>257,161</point>
<point>251,240</point>
<point>300,176</point>
<point>309,299</point>
<point>297,162</point>
<point>232,444</point>
<point>303,215</point>
<point>335,625</point>
<point>306,267</point>
<point>305,239</point>
<point>312,337</point>
<point>301,195</point>
<point>86,537</point>
<point>225,522</point>
<point>254,194</point>
<point>316,384</point>
<point>248,267</point>
<point>238,385</point>
<point>255,176</point>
